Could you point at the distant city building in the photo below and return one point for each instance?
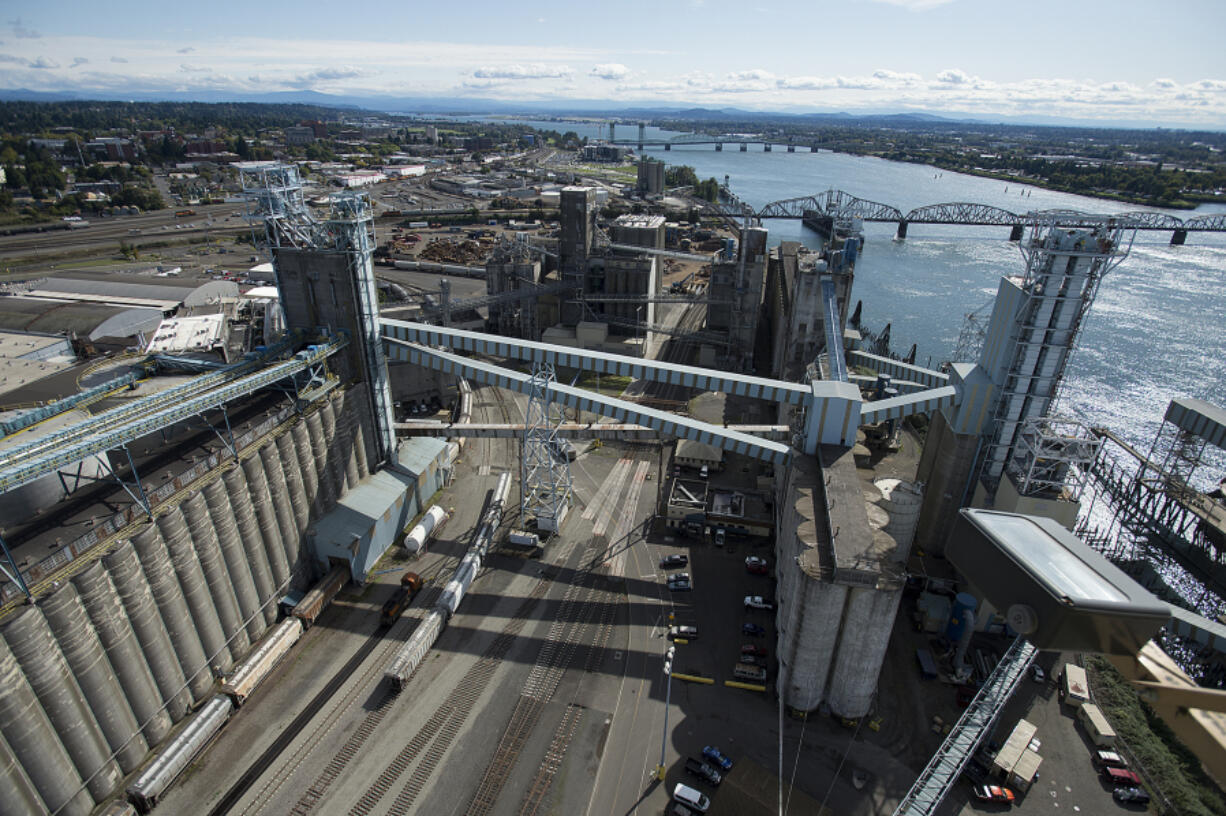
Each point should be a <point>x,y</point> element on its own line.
<point>479,143</point>
<point>205,147</point>
<point>603,153</point>
<point>299,135</point>
<point>404,170</point>
<point>111,148</point>
<point>319,129</point>
<point>360,178</point>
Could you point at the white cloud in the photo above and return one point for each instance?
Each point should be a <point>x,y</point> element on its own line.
<point>533,70</point>
<point>45,63</point>
<point>194,69</point>
<point>1165,83</point>
<point>118,59</point>
<point>15,60</point>
<point>610,70</point>
<point>186,50</point>
<point>916,5</point>
<point>78,61</point>
<point>21,32</point>
<point>897,77</point>
<point>806,83</point>
<point>754,75</point>
<point>952,76</point>
<point>332,73</point>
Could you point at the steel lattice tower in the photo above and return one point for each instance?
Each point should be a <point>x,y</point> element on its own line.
<point>545,480</point>
<point>274,193</point>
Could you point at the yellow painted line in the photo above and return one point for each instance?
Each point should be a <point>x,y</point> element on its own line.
<point>746,686</point>
<point>693,678</point>
<point>680,640</point>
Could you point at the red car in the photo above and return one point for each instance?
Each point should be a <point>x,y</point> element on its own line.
<point>751,649</point>
<point>756,565</point>
<point>1121,777</point>
<point>993,793</point>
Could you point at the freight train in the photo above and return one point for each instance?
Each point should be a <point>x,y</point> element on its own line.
<point>415,648</point>
<point>154,781</point>
<point>410,585</point>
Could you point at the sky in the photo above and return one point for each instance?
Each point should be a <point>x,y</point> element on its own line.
<point>1089,60</point>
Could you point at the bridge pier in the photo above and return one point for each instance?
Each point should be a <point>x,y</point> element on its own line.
<point>640,147</point>
<point>791,148</point>
<point>744,147</point>
<point>902,231</point>
<point>1015,234</point>
<point>719,147</point>
<point>766,147</point>
<point>668,147</point>
<point>1178,237</point>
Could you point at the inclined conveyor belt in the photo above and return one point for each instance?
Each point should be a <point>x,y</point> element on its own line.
<point>157,412</point>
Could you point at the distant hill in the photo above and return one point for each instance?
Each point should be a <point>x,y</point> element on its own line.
<point>637,110</point>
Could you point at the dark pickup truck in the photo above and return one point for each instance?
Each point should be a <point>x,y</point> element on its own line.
<point>703,771</point>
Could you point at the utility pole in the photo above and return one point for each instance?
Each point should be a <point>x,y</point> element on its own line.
<point>668,695</point>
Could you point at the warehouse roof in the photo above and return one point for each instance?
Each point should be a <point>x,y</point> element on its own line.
<point>131,291</point>
<point>90,320</point>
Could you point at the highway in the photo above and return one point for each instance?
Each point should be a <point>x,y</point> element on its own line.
<point>106,233</point>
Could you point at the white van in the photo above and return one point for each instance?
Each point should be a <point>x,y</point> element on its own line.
<point>691,798</point>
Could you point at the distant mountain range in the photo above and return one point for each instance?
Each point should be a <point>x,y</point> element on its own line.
<point>562,108</point>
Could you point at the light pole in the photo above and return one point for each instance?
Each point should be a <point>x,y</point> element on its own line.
<point>668,695</point>
<point>638,327</point>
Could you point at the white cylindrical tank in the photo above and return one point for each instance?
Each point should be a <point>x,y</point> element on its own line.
<point>902,499</point>
<point>431,522</point>
<point>867,623</point>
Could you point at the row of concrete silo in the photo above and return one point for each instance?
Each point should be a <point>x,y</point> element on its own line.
<point>833,635</point>
<point>97,672</point>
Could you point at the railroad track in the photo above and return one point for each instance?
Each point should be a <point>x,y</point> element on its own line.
<point>334,703</point>
<point>574,613</point>
<point>565,731</point>
<point>491,444</point>
<point>431,742</point>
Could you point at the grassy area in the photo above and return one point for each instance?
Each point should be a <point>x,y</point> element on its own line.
<point>627,172</point>
<point>610,384</point>
<point>1169,763</point>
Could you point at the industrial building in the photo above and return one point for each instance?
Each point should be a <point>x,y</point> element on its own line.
<point>171,563</point>
<point>650,179</point>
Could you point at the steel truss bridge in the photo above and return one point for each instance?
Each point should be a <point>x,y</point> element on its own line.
<point>694,139</point>
<point>837,205</point>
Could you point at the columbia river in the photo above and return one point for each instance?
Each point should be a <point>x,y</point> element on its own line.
<point>1156,331</point>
